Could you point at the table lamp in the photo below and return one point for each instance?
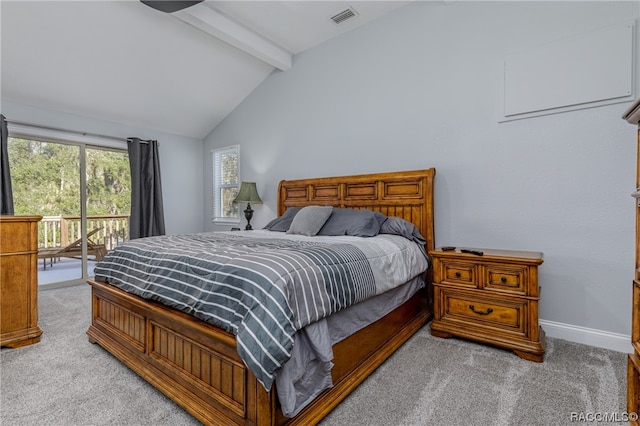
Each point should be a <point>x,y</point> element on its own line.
<point>248,193</point>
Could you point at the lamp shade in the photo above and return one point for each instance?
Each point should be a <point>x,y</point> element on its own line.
<point>248,193</point>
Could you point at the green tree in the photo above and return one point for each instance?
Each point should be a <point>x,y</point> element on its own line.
<point>46,179</point>
<point>108,183</point>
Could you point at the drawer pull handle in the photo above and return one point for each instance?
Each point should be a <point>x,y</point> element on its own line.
<point>503,279</point>
<point>457,274</point>
<point>489,310</point>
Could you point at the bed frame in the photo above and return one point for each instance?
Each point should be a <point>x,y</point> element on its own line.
<point>196,364</point>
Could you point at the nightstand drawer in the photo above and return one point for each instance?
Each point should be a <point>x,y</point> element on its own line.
<point>471,311</point>
<point>461,273</point>
<point>505,278</point>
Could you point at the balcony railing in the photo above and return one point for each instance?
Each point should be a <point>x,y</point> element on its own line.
<point>60,231</point>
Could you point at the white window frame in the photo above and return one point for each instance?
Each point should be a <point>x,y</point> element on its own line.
<point>216,159</point>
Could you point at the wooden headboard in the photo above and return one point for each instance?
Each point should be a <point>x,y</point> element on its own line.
<point>408,195</point>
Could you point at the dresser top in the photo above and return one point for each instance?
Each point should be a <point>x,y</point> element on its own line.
<point>491,254</point>
<point>9,218</point>
<point>632,115</point>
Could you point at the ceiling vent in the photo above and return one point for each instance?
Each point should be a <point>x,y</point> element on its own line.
<point>346,14</point>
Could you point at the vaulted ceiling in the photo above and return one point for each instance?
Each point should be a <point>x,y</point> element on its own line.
<point>180,73</point>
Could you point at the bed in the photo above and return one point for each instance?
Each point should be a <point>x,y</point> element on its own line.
<point>198,365</point>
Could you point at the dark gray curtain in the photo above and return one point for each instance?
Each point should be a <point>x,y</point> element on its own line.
<point>147,212</point>
<point>6,196</point>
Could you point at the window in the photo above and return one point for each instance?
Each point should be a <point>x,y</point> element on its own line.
<point>226,182</point>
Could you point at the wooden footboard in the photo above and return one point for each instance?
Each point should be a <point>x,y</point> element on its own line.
<point>197,366</point>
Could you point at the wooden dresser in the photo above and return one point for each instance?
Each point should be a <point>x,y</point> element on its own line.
<point>632,115</point>
<point>19,281</point>
<point>492,298</point>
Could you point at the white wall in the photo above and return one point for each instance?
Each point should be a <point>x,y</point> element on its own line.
<point>180,160</point>
<point>420,88</point>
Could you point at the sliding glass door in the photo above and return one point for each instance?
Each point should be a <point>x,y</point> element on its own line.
<point>45,177</point>
<point>83,194</point>
<point>108,189</point>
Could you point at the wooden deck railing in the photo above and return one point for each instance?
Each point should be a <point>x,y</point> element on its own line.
<point>60,231</point>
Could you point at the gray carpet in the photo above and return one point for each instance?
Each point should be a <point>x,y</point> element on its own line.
<point>65,380</point>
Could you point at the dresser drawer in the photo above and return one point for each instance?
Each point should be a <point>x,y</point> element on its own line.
<point>461,273</point>
<point>503,278</point>
<point>18,237</point>
<point>492,314</point>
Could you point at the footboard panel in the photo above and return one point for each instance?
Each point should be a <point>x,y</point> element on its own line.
<point>196,366</point>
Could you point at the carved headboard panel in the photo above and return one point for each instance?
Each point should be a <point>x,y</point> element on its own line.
<point>408,195</point>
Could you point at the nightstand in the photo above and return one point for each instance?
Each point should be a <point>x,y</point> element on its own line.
<point>491,298</point>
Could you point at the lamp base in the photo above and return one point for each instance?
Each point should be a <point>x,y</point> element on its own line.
<point>248,214</point>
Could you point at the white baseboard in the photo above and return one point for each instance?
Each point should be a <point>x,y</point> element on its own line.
<point>588,336</point>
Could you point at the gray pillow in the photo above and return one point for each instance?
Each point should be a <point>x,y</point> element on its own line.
<point>282,223</point>
<point>309,220</point>
<point>398,226</point>
<point>359,223</point>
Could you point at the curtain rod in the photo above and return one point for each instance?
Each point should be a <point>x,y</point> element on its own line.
<point>58,129</point>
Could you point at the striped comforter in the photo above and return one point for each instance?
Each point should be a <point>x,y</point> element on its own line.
<point>262,286</point>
